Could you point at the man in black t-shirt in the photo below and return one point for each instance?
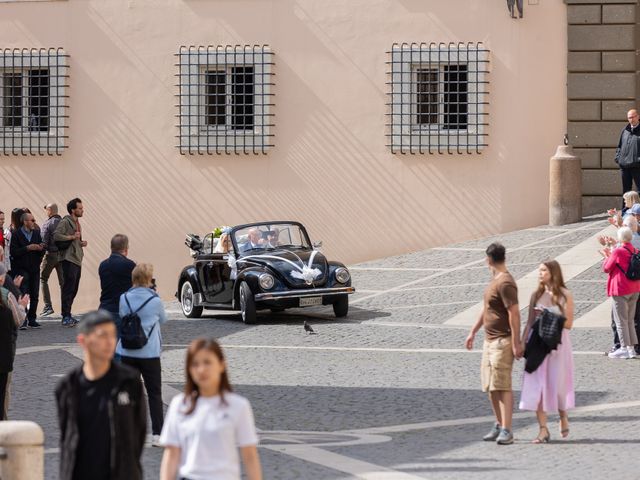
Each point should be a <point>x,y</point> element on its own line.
<point>101,410</point>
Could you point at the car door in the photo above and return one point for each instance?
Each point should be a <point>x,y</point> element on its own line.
<point>204,268</point>
<point>220,278</point>
<point>214,273</point>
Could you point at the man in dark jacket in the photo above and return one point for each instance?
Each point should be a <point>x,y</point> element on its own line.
<point>628,153</point>
<point>27,250</point>
<point>101,410</point>
<point>51,260</point>
<point>115,276</point>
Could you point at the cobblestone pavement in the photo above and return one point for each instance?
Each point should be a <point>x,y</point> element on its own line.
<point>387,393</point>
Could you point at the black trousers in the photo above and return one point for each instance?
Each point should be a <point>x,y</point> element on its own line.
<point>151,373</point>
<point>71,280</point>
<point>4,383</point>
<point>629,176</point>
<point>30,286</point>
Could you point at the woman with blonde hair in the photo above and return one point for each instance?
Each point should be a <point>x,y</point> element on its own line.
<point>208,423</point>
<point>143,301</point>
<point>629,199</point>
<point>224,244</point>
<point>550,387</point>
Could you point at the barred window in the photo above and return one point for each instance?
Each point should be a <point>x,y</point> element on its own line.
<point>225,99</point>
<point>33,101</point>
<point>441,96</point>
<point>437,98</point>
<point>229,107</point>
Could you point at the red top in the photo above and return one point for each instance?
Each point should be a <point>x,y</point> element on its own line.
<point>618,284</point>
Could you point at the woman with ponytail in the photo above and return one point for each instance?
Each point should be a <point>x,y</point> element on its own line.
<point>550,387</point>
<point>207,424</point>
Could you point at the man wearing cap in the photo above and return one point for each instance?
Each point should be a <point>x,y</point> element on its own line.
<point>51,259</point>
<point>101,409</point>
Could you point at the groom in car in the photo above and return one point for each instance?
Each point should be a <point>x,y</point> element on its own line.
<point>254,240</point>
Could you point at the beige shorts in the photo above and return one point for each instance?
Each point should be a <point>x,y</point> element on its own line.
<point>496,365</point>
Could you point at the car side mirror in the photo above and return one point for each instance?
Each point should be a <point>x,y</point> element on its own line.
<point>317,244</point>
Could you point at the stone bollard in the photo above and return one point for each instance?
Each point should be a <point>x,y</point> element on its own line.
<point>21,451</point>
<point>565,187</point>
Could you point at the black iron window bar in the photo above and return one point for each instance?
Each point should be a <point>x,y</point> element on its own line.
<point>438,98</point>
<point>225,99</point>
<point>33,101</point>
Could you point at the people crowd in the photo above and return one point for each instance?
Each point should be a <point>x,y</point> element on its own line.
<point>209,430</point>
<point>101,404</point>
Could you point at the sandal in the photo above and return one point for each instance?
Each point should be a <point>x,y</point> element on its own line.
<point>564,432</point>
<point>540,438</point>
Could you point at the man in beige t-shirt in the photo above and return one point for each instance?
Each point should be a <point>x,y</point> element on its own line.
<point>500,318</point>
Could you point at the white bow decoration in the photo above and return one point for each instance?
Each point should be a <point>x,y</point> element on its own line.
<point>304,272</point>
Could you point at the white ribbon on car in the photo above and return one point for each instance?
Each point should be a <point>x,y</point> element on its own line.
<point>301,271</point>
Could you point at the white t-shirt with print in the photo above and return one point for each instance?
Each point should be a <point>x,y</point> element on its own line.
<point>210,436</point>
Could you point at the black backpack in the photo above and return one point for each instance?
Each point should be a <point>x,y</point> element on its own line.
<point>633,272</point>
<point>132,334</point>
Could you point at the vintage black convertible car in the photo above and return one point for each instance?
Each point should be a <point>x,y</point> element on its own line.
<point>258,266</point>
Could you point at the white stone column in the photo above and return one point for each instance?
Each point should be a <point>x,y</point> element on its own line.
<point>21,451</point>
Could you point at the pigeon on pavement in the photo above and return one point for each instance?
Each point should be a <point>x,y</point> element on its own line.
<point>308,329</point>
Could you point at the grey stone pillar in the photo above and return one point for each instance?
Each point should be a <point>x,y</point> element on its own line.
<point>565,187</point>
<point>21,451</point>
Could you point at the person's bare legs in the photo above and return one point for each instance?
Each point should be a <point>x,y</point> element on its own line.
<point>506,408</point>
<point>564,423</point>
<point>542,423</point>
<point>542,417</point>
<point>495,406</point>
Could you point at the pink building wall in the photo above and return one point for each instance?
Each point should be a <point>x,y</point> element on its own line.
<point>330,168</point>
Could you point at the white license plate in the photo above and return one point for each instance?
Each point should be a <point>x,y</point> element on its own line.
<point>310,301</point>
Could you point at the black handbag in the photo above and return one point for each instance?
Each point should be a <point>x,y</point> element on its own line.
<point>550,327</point>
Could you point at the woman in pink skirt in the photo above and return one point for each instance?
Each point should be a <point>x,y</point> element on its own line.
<point>550,386</point>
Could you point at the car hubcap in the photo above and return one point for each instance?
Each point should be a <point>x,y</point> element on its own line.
<point>187,298</point>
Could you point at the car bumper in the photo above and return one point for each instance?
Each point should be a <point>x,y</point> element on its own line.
<point>310,292</point>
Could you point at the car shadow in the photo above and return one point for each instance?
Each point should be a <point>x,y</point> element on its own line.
<point>297,315</point>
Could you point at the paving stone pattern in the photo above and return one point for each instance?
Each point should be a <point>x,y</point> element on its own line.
<point>390,365</point>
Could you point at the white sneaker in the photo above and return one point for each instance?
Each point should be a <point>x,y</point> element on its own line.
<point>155,441</point>
<point>619,353</point>
<point>631,352</point>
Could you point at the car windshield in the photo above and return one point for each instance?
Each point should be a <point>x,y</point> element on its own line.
<point>271,236</point>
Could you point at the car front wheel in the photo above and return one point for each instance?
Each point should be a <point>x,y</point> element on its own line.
<point>341,306</point>
<point>247,304</point>
<point>187,301</point>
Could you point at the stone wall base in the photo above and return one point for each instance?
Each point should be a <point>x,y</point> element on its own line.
<point>592,205</point>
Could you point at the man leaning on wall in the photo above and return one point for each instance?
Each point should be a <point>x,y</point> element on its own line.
<point>627,153</point>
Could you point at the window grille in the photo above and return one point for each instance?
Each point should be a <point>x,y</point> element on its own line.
<point>225,99</point>
<point>438,98</point>
<point>33,101</point>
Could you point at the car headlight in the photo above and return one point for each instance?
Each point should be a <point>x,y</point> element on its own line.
<point>342,275</point>
<point>266,281</point>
